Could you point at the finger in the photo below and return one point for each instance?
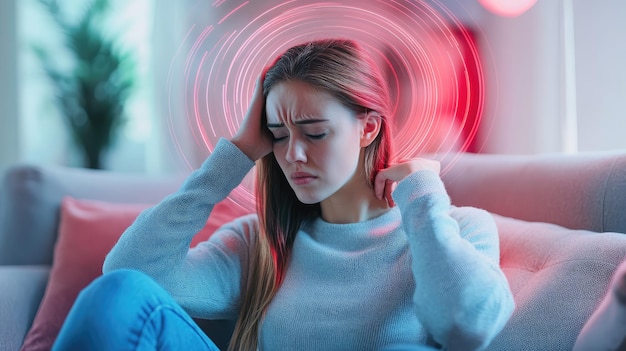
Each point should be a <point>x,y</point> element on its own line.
<point>261,77</point>
<point>379,184</point>
<point>258,85</point>
<point>257,99</point>
<point>389,186</point>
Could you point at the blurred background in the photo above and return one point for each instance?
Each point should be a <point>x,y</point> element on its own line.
<point>133,81</point>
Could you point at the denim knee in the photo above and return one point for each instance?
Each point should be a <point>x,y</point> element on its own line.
<point>109,305</point>
<point>409,347</point>
<point>119,282</point>
<point>128,310</point>
<point>124,278</point>
<point>119,289</point>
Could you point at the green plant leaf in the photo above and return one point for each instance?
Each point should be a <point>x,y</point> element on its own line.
<point>92,95</point>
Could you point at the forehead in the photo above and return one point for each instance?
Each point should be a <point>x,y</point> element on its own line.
<point>293,100</point>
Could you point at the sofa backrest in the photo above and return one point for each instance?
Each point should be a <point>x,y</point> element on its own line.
<point>540,261</point>
<point>582,191</point>
<point>30,198</point>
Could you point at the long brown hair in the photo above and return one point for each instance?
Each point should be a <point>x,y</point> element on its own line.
<point>341,68</point>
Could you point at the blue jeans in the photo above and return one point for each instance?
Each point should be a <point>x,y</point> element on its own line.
<point>127,310</point>
<point>410,347</point>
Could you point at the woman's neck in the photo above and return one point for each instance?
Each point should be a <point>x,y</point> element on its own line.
<point>353,203</point>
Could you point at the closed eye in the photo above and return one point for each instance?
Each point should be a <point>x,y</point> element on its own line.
<point>310,136</point>
<point>317,136</point>
<point>277,139</point>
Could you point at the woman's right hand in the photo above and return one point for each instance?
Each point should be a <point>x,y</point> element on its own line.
<point>253,138</point>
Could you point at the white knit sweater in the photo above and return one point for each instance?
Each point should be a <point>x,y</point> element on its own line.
<point>425,272</point>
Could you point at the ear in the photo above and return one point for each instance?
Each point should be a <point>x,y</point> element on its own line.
<point>371,123</point>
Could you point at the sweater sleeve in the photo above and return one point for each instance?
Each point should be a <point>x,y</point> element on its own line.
<point>205,280</point>
<point>461,295</point>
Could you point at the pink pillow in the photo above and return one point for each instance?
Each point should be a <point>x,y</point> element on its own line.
<point>88,229</point>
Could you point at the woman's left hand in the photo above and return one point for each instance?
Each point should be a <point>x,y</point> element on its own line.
<point>386,179</point>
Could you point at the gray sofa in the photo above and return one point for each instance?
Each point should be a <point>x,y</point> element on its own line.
<point>561,221</point>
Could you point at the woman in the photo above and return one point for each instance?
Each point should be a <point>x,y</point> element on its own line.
<point>346,251</point>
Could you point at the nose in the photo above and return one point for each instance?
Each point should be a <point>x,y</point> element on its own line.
<point>295,151</point>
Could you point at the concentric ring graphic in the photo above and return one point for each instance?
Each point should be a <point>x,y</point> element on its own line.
<point>429,58</point>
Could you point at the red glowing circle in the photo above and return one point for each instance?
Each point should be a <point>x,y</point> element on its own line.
<point>427,54</point>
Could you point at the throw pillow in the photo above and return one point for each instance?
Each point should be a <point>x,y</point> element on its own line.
<point>88,229</point>
<point>606,328</point>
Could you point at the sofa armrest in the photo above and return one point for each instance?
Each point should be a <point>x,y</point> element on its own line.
<point>21,291</point>
<point>30,197</point>
<point>582,191</point>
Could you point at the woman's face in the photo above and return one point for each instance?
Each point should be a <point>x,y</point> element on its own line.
<point>316,139</point>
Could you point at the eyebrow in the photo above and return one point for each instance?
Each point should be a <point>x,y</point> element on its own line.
<point>301,122</point>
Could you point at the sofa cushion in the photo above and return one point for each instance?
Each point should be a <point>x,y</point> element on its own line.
<point>558,277</point>
<point>87,232</point>
<point>606,329</point>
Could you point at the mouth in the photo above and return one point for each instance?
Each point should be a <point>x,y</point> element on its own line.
<point>302,178</point>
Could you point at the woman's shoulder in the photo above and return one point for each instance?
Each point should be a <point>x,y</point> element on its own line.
<point>473,219</point>
<point>244,226</point>
<point>469,213</point>
<point>233,235</point>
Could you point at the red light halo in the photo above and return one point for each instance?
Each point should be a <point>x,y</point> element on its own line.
<point>223,59</point>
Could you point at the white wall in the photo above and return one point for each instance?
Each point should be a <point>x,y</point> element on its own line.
<point>521,58</point>
<point>524,69</point>
<point>9,141</point>
<point>601,73</point>
<point>172,147</point>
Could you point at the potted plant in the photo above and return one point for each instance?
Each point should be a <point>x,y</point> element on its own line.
<point>92,93</point>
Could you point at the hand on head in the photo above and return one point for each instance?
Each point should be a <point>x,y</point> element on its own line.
<point>253,138</point>
<point>386,179</point>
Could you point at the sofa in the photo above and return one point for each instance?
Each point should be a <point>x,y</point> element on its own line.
<point>561,220</point>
